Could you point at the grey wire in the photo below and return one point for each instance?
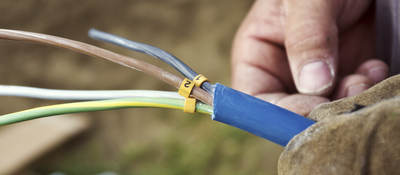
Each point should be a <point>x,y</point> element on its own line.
<point>80,95</point>
<point>164,56</point>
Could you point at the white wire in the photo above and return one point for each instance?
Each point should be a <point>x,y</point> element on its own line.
<point>55,94</point>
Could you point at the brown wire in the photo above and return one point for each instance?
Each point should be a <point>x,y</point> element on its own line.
<point>91,50</point>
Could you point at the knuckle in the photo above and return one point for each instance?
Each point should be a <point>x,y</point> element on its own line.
<point>310,38</point>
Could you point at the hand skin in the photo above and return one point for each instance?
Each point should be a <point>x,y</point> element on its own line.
<point>300,53</point>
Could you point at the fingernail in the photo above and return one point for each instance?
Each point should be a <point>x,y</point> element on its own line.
<point>356,89</point>
<point>377,74</point>
<point>315,77</point>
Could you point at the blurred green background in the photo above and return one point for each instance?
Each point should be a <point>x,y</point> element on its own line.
<point>133,141</point>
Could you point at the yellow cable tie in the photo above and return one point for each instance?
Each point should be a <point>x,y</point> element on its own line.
<point>190,105</point>
<point>185,89</point>
<point>199,80</point>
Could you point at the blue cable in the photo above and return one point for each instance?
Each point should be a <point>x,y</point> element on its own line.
<point>257,116</point>
<point>152,51</point>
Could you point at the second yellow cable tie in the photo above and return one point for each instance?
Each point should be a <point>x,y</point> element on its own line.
<point>190,105</point>
<point>199,80</point>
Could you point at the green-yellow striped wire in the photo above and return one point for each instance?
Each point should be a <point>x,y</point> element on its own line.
<point>77,107</point>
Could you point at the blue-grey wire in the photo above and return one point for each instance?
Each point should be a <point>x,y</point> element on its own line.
<point>164,56</point>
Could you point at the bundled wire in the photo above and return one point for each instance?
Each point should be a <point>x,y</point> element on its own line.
<point>80,95</point>
<point>228,105</point>
<point>164,56</point>
<point>172,103</point>
<point>91,50</point>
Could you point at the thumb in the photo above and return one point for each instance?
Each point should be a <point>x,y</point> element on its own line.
<point>311,41</point>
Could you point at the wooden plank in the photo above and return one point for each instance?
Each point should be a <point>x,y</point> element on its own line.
<point>22,143</point>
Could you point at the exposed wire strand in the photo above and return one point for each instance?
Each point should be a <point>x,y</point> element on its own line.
<point>91,50</point>
<point>81,95</point>
<point>164,56</point>
<point>99,106</point>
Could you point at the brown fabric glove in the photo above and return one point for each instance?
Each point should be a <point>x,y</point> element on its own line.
<point>356,135</point>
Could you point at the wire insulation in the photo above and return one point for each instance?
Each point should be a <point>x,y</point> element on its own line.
<point>91,50</point>
<point>156,52</point>
<point>99,106</point>
<point>256,116</point>
<point>58,94</point>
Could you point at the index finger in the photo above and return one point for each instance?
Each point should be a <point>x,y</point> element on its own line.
<point>259,63</point>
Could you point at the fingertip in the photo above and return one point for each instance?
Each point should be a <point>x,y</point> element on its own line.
<point>352,85</point>
<point>378,74</point>
<point>356,89</point>
<point>300,103</point>
<point>297,103</point>
<point>272,97</point>
<point>376,70</point>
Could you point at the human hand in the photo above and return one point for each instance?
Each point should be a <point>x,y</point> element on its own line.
<point>298,54</point>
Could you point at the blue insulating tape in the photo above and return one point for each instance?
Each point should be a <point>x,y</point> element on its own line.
<point>257,116</point>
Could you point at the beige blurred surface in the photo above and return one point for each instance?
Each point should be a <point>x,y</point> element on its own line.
<point>22,143</point>
<point>133,141</point>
